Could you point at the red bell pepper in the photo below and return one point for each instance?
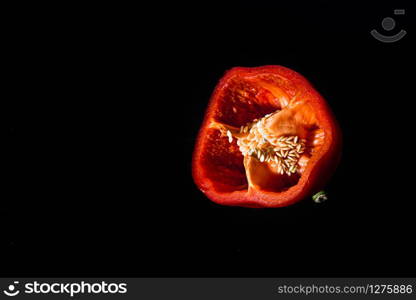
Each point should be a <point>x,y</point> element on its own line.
<point>268,139</point>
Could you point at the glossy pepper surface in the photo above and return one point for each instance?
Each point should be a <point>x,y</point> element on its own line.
<point>268,139</point>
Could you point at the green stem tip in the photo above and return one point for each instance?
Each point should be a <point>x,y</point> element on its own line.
<point>320,197</point>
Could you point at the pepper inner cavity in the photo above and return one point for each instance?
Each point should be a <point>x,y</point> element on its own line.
<point>281,152</point>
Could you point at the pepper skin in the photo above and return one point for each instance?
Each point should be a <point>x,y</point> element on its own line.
<point>268,139</point>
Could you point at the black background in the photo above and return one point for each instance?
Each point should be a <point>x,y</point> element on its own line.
<point>103,107</point>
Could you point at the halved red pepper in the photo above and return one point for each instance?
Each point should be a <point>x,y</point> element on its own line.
<point>268,139</point>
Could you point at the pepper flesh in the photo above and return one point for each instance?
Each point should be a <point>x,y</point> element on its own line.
<point>228,175</point>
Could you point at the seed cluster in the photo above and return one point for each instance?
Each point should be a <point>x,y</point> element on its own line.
<point>281,152</point>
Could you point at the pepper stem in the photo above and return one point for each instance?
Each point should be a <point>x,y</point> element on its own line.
<point>320,197</point>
